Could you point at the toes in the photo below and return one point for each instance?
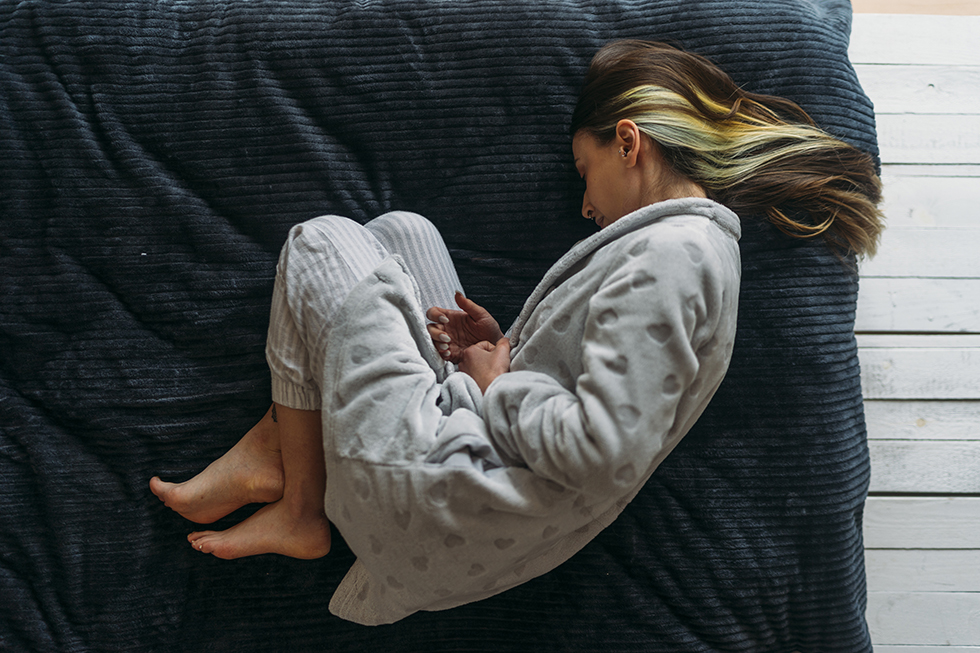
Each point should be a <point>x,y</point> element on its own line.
<point>160,488</point>
<point>201,541</point>
<point>216,544</point>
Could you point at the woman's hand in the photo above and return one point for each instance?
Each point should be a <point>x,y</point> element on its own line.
<point>454,331</point>
<point>485,361</point>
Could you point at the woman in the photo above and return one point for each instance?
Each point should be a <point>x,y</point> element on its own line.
<point>452,486</point>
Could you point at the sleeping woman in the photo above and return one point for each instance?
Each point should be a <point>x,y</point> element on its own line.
<point>458,461</point>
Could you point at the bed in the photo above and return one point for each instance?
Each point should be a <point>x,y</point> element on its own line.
<point>153,156</point>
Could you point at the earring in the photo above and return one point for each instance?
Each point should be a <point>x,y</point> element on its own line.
<point>623,152</point>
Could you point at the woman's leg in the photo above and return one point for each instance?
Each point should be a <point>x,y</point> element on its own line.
<point>424,251</point>
<point>295,525</point>
<point>251,472</point>
<point>320,262</point>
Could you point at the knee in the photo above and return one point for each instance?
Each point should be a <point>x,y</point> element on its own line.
<point>321,240</point>
<point>396,226</point>
<point>318,230</point>
<point>325,235</point>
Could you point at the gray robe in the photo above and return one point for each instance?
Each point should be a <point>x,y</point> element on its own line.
<point>447,496</point>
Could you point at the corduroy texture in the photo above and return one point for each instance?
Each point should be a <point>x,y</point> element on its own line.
<point>152,159</point>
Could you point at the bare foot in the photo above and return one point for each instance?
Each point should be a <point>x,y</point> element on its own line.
<point>251,472</point>
<point>273,529</point>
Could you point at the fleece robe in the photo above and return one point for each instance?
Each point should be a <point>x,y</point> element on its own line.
<point>448,496</point>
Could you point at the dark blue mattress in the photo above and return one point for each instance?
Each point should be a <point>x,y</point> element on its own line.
<point>153,156</point>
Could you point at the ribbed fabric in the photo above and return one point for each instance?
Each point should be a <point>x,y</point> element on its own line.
<point>153,157</point>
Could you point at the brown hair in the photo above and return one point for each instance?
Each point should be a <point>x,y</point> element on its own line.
<point>753,153</point>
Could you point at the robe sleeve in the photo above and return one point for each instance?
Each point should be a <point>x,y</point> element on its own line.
<point>661,301</point>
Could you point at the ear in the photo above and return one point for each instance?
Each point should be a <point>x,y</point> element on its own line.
<point>628,137</point>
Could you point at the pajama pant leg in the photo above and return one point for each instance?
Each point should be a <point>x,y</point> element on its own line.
<point>422,248</point>
<point>319,264</point>
<point>321,261</point>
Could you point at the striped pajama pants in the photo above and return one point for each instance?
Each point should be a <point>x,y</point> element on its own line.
<point>321,261</point>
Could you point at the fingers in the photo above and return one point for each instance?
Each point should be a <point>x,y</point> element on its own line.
<point>437,314</point>
<point>469,357</point>
<point>501,355</point>
<point>437,333</point>
<point>442,341</point>
<point>485,361</point>
<point>470,307</point>
<point>500,349</point>
<point>452,331</point>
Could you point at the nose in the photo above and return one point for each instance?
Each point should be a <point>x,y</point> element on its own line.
<point>588,212</point>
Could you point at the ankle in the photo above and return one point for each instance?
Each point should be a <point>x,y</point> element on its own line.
<point>303,506</point>
<point>265,434</point>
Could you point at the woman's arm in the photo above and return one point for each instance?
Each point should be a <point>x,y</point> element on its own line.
<point>658,334</point>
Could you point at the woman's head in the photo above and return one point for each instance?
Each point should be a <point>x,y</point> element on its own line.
<point>753,153</point>
<point>625,173</point>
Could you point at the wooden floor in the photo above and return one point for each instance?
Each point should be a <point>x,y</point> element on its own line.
<point>936,7</point>
<point>919,328</point>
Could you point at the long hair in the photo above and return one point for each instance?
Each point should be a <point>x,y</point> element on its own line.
<point>753,153</point>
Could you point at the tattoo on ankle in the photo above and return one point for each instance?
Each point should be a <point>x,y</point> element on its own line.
<point>274,418</point>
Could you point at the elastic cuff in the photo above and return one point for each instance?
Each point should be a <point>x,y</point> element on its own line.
<point>295,396</point>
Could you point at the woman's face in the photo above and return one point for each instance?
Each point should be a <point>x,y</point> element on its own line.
<point>609,193</point>
<point>616,185</point>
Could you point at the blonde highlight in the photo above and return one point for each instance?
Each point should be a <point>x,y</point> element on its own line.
<point>753,153</point>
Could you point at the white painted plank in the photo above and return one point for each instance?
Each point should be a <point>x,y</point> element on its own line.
<point>920,374</point>
<point>880,38</point>
<point>904,341</point>
<point>914,196</point>
<point>954,7</point>
<point>921,89</point>
<point>919,305</point>
<point>929,371</point>
<point>926,252</point>
<point>934,466</point>
<point>929,138</point>
<point>929,170</point>
<point>922,420</point>
<point>913,648</point>
<point>922,570</point>
<point>922,523</point>
<point>936,618</point>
